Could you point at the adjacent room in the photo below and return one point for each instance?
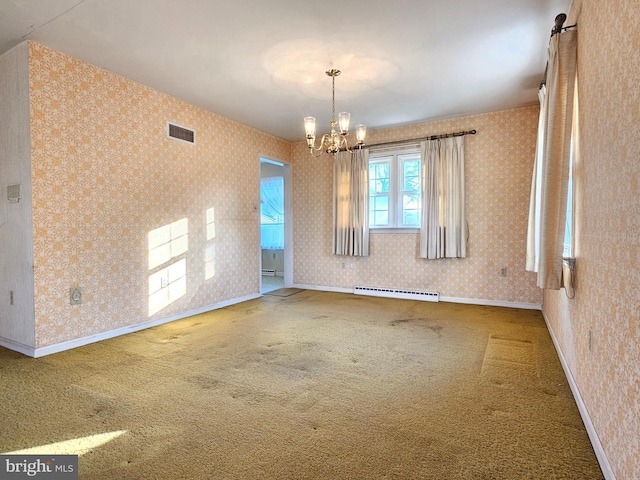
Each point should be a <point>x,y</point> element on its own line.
<point>210,270</point>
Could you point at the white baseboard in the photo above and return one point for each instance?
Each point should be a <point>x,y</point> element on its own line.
<point>471,301</point>
<point>492,303</point>
<point>605,466</point>
<point>79,342</point>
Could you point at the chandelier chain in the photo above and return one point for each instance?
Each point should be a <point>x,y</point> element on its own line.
<point>333,99</point>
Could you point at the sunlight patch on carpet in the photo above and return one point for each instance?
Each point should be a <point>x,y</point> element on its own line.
<point>284,292</point>
<point>508,361</point>
<point>75,446</point>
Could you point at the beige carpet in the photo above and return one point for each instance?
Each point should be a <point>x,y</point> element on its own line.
<point>284,292</point>
<point>315,385</point>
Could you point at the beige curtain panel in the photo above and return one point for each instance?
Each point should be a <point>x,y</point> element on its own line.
<point>535,201</point>
<point>443,227</point>
<point>351,204</point>
<point>549,186</point>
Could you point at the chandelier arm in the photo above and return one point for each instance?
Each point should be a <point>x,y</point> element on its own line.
<point>318,155</point>
<point>320,147</point>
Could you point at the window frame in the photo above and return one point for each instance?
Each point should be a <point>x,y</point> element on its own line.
<point>396,159</point>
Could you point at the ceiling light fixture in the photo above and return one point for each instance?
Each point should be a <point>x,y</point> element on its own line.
<point>336,141</point>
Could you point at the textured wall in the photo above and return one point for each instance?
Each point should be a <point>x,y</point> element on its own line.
<point>607,298</point>
<point>16,252</point>
<point>499,161</point>
<point>105,175</point>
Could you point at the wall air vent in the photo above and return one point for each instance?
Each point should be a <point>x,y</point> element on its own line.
<point>398,293</point>
<point>182,134</point>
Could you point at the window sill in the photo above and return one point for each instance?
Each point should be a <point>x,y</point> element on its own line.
<point>393,230</point>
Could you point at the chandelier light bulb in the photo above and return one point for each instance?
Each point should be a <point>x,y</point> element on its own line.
<point>361,132</point>
<point>343,121</point>
<point>310,126</point>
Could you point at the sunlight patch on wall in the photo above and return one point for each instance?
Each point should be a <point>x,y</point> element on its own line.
<point>75,446</point>
<point>170,283</point>
<point>167,285</point>
<point>168,242</point>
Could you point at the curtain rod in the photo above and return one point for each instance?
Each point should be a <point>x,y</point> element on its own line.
<point>432,137</point>
<point>557,28</point>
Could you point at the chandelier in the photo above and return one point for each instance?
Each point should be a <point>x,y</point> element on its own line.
<point>336,141</point>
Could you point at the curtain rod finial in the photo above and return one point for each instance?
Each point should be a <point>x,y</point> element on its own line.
<point>560,19</point>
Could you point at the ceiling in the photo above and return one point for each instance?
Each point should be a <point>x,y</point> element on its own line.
<point>262,63</point>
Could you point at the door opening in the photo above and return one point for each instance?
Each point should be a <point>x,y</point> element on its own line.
<point>273,225</point>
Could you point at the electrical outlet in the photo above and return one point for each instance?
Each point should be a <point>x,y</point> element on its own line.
<point>344,265</point>
<point>75,295</point>
<point>503,272</point>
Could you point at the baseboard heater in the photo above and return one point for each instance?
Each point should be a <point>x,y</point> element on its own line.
<point>268,272</point>
<point>398,293</point>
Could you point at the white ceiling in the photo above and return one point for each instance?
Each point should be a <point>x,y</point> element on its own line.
<point>262,63</point>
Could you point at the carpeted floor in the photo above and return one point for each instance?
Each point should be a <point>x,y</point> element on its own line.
<point>314,385</point>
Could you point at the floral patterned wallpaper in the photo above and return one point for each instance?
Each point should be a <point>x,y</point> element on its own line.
<point>104,175</point>
<point>499,162</point>
<point>607,295</point>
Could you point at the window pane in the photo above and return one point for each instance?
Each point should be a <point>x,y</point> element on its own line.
<point>411,218</point>
<point>411,175</point>
<point>381,203</point>
<point>379,177</point>
<point>411,201</point>
<point>381,187</point>
<point>411,209</point>
<point>382,170</point>
<point>379,211</point>
<point>381,218</point>
<point>411,184</point>
<point>412,168</point>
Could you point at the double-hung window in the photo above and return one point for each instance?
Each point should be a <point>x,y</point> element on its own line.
<point>395,190</point>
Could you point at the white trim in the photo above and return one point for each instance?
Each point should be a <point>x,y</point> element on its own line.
<point>17,347</point>
<point>605,466</point>
<point>377,230</point>
<point>492,303</point>
<point>79,342</point>
<point>288,219</point>
<point>324,289</point>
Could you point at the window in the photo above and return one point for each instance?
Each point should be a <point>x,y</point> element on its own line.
<point>272,212</point>
<point>395,190</point>
<point>568,229</point>
<point>569,244</point>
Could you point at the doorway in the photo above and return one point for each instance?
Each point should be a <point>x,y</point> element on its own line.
<point>275,225</point>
